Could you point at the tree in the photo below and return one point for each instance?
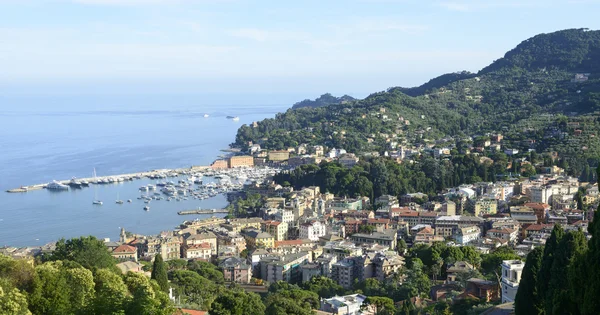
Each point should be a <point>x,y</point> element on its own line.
<point>591,303</point>
<point>111,293</point>
<point>323,286</point>
<point>237,302</point>
<point>293,301</point>
<point>12,301</point>
<point>193,289</point>
<point>527,300</point>
<point>548,259</point>
<point>159,273</point>
<point>207,270</point>
<point>382,305</point>
<point>558,299</point>
<point>61,288</point>
<point>146,296</point>
<point>89,252</point>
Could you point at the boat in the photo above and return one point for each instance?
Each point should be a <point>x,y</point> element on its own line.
<point>96,201</point>
<point>236,118</point>
<point>205,115</point>
<point>119,201</point>
<point>54,185</point>
<point>84,183</point>
<point>74,183</point>
<point>129,201</point>
<point>143,188</point>
<point>147,208</point>
<point>230,117</point>
<point>151,187</point>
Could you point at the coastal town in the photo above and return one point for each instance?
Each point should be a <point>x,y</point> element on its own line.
<point>294,235</point>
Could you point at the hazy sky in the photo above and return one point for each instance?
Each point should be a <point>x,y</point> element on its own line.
<point>262,47</point>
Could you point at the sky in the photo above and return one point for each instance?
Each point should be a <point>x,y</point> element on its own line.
<point>262,47</point>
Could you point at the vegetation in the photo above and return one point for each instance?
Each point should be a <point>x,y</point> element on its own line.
<point>159,273</point>
<point>529,95</point>
<point>324,100</point>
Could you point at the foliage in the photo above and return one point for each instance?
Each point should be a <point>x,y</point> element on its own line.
<point>111,293</point>
<point>194,289</point>
<point>323,286</point>
<point>294,301</point>
<point>382,305</point>
<point>238,302</point>
<point>207,270</point>
<point>527,300</point>
<point>159,273</point>
<point>146,296</point>
<point>491,262</point>
<point>323,100</point>
<point>12,301</point>
<point>548,259</point>
<point>88,251</point>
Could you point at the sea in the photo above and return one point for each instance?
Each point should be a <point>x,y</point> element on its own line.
<point>45,138</point>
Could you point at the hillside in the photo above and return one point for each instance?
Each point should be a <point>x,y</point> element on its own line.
<point>323,100</point>
<point>531,96</point>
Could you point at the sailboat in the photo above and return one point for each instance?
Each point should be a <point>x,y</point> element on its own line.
<point>96,201</point>
<point>119,201</point>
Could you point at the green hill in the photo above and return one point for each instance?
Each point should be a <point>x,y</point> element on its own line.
<point>530,95</point>
<point>324,100</point>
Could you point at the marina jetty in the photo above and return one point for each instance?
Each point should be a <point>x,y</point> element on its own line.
<point>154,174</point>
<point>202,211</point>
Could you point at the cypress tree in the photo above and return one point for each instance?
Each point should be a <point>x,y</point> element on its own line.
<point>159,273</point>
<point>527,300</point>
<point>558,297</point>
<point>591,301</point>
<point>547,259</point>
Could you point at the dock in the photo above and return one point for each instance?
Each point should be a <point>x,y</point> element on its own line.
<point>120,177</point>
<point>202,211</point>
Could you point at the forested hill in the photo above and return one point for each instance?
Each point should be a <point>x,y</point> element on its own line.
<point>544,94</point>
<point>324,100</point>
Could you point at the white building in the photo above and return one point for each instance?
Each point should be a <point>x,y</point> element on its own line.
<point>511,275</point>
<point>467,235</point>
<point>346,305</point>
<point>312,230</point>
<point>286,216</point>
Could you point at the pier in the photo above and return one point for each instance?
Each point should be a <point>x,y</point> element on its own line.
<point>118,178</point>
<point>202,211</point>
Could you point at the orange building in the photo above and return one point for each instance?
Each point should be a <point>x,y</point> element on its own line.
<point>241,161</point>
<point>218,164</point>
<point>279,155</point>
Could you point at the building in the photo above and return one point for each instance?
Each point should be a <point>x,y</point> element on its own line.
<point>344,305</point>
<point>198,251</point>
<point>511,276</point>
<point>311,270</point>
<point>482,289</point>
<point>278,229</point>
<point>312,230</point>
<point>447,226</point>
<point>457,268</point>
<point>344,272</point>
<point>125,253</point>
<point>509,235</point>
<point>236,270</point>
<point>219,164</point>
<point>284,267</point>
<point>348,160</point>
<point>467,235</point>
<point>241,161</point>
<point>200,238</point>
<point>485,206</point>
<point>285,216</point>
<point>279,156</point>
<point>385,238</point>
<point>237,225</point>
<point>256,238</point>
<point>386,264</point>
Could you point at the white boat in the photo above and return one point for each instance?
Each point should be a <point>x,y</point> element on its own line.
<point>205,115</point>
<point>54,185</point>
<point>151,187</point>
<point>119,201</point>
<point>236,118</point>
<point>129,200</point>
<point>147,208</point>
<point>143,188</point>
<point>96,201</point>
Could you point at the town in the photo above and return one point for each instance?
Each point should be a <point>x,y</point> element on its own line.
<point>461,236</point>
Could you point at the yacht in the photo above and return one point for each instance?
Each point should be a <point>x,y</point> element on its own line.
<point>205,115</point>
<point>147,208</point>
<point>143,188</point>
<point>236,118</point>
<point>84,183</point>
<point>57,186</point>
<point>151,187</point>
<point>129,201</point>
<point>74,183</point>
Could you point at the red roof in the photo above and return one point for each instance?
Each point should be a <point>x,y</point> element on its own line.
<point>503,231</point>
<point>537,227</point>
<point>200,246</point>
<point>386,221</point>
<point>409,214</point>
<point>428,214</point>
<point>537,205</point>
<point>288,243</point>
<point>125,249</point>
<point>184,311</point>
<point>272,222</point>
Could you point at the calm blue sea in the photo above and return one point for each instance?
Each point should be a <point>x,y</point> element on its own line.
<point>58,137</point>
